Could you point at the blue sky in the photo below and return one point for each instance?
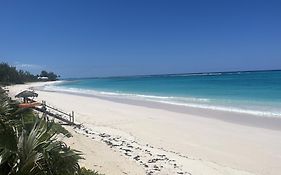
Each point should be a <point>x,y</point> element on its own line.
<point>105,38</point>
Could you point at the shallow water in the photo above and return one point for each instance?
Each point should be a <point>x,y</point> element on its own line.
<point>257,93</point>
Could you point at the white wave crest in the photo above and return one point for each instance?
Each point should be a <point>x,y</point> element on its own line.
<point>202,103</point>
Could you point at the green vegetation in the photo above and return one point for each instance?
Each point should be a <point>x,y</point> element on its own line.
<point>29,144</point>
<point>51,75</point>
<point>10,75</point>
<point>85,171</point>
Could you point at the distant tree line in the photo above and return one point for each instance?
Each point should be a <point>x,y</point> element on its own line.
<point>51,75</point>
<point>10,75</point>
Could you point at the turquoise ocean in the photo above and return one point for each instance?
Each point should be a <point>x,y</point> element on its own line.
<point>253,92</point>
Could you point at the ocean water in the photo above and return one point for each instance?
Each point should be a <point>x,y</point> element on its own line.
<point>257,93</point>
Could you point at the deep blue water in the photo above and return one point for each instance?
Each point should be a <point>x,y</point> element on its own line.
<point>257,93</point>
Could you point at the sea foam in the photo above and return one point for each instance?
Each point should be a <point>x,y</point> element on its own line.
<point>202,103</point>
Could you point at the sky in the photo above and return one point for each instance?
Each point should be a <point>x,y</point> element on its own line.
<point>111,38</point>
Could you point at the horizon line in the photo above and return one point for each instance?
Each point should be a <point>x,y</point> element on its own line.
<point>186,73</point>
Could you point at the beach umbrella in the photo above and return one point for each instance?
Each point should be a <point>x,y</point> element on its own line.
<point>26,94</point>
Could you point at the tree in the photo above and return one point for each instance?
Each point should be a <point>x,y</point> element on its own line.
<point>9,74</point>
<point>44,73</point>
<point>51,75</point>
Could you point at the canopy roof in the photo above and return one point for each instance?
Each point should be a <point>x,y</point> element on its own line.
<point>25,94</point>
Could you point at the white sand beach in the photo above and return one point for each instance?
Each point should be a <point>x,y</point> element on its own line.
<point>123,138</point>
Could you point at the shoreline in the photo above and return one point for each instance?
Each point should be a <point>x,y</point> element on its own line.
<point>197,141</point>
<point>150,98</point>
<point>233,117</point>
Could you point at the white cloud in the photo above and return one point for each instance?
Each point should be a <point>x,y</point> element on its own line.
<point>33,68</point>
<point>28,66</point>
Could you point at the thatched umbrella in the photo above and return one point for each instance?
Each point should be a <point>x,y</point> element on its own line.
<point>26,94</point>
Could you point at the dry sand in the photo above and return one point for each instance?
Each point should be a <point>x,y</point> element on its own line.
<point>126,138</point>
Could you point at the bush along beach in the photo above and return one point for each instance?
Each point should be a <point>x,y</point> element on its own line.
<point>29,144</point>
